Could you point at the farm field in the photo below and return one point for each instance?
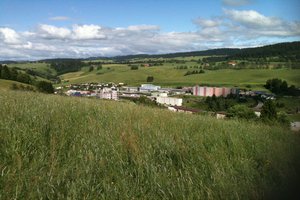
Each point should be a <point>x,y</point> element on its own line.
<point>64,147</point>
<point>168,76</point>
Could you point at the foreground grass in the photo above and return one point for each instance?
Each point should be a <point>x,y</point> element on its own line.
<point>56,147</point>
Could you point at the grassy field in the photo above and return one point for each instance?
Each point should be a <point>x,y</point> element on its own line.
<point>168,76</point>
<point>55,147</point>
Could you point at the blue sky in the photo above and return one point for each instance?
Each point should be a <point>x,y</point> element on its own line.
<point>35,29</point>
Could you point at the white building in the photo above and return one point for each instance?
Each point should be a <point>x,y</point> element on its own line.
<point>210,91</point>
<point>169,101</point>
<point>149,88</point>
<point>108,93</point>
<point>159,94</point>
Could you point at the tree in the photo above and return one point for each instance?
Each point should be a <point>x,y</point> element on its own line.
<point>134,67</point>
<point>45,86</point>
<point>23,78</point>
<point>99,67</point>
<point>241,111</point>
<point>5,73</point>
<point>91,68</point>
<point>150,79</point>
<point>268,112</point>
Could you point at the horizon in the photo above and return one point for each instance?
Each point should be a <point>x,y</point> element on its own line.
<point>36,30</point>
<point>107,57</point>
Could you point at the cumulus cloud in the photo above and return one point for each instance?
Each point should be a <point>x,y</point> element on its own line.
<point>86,32</point>
<point>53,32</point>
<point>235,28</point>
<point>252,18</point>
<point>59,18</point>
<point>9,36</point>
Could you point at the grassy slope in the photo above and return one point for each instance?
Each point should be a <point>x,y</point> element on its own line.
<point>168,76</point>
<point>39,67</point>
<point>58,147</point>
<point>6,84</point>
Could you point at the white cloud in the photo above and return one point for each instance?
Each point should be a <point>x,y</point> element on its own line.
<point>59,18</point>
<point>207,22</point>
<point>53,32</point>
<point>87,32</point>
<point>252,18</point>
<point>143,28</point>
<point>9,36</point>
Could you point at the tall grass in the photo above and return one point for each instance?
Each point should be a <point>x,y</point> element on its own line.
<point>54,147</point>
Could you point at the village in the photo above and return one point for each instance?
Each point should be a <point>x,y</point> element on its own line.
<point>170,98</point>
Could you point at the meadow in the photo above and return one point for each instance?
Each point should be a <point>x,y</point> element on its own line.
<point>166,75</point>
<point>55,147</point>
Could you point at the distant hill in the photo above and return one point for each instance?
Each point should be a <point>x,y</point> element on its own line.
<point>286,49</point>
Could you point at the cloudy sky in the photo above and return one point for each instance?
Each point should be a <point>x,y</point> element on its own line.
<point>37,29</point>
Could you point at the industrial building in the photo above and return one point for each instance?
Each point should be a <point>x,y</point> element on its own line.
<point>210,91</point>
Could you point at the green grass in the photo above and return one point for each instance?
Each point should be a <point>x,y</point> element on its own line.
<point>168,76</point>
<point>56,147</point>
<point>43,68</point>
<point>7,84</point>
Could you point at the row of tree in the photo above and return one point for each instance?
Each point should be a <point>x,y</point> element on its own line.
<point>201,71</point>
<point>280,87</point>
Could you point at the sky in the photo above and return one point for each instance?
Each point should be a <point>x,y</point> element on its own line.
<point>38,29</point>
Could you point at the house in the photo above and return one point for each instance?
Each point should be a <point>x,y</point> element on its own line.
<point>232,63</point>
<point>221,115</point>
<point>295,126</point>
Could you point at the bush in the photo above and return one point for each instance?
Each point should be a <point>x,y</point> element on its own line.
<point>241,111</point>
<point>150,79</point>
<point>45,87</point>
<point>134,67</point>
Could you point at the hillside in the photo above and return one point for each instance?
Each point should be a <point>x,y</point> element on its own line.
<point>280,49</point>
<point>252,67</point>
<point>7,84</point>
<point>166,75</point>
<point>55,147</point>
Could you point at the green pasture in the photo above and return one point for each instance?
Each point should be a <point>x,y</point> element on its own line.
<point>166,75</point>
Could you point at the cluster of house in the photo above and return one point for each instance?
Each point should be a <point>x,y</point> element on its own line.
<point>98,90</point>
<point>163,96</point>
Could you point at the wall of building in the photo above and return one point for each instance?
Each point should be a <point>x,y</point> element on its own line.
<point>210,91</point>
<point>169,101</point>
